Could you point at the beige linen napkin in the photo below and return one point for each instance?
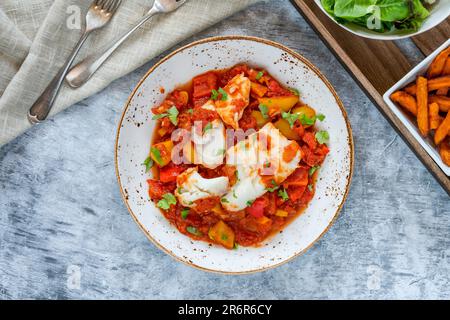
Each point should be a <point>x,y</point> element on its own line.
<point>36,36</point>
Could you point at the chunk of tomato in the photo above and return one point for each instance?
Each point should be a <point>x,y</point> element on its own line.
<point>298,178</point>
<point>310,140</point>
<point>170,172</point>
<point>157,188</point>
<point>204,84</point>
<point>257,207</point>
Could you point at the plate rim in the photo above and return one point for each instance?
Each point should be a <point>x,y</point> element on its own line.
<point>298,56</point>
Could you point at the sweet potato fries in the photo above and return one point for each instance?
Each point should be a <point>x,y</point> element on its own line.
<point>428,100</point>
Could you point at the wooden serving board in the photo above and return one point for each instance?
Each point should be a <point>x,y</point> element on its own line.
<point>376,66</point>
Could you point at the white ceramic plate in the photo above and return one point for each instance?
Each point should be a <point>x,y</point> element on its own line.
<point>136,128</point>
<point>426,143</point>
<point>439,13</point>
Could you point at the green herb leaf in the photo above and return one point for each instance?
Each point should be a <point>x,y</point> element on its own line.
<point>224,237</point>
<point>190,111</point>
<point>275,186</point>
<point>234,194</point>
<point>320,117</point>
<point>224,200</point>
<point>282,193</point>
<point>207,127</point>
<point>259,75</point>
<point>305,120</point>
<point>236,246</point>
<point>184,213</point>
<point>294,91</point>
<point>156,154</point>
<point>148,163</point>
<point>290,117</point>
<point>250,202</point>
<point>322,137</point>
<point>310,187</point>
<point>180,190</point>
<point>214,94</point>
<point>224,94</point>
<point>173,115</point>
<point>264,110</point>
<point>194,231</point>
<point>313,169</point>
<point>159,116</point>
<point>167,200</point>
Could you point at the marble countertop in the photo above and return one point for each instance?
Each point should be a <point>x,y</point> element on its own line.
<point>65,233</point>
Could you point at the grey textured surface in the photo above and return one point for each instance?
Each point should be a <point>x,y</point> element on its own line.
<point>62,218</point>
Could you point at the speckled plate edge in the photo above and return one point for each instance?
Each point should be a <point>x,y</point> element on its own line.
<point>297,56</point>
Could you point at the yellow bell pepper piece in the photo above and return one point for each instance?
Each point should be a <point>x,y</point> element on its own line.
<point>223,234</point>
<point>281,213</point>
<point>286,130</point>
<point>161,153</point>
<point>260,120</point>
<point>278,104</point>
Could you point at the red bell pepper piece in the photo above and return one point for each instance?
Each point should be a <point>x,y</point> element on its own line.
<point>257,208</point>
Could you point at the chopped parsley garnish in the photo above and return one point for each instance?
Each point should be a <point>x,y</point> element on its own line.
<point>156,154</point>
<point>224,237</point>
<point>259,75</point>
<point>294,91</point>
<point>313,169</point>
<point>322,137</point>
<point>320,117</point>
<point>236,173</point>
<point>224,94</point>
<point>159,116</point>
<point>207,127</point>
<point>282,193</point>
<point>172,114</point>
<point>236,246</point>
<point>190,111</point>
<point>224,200</point>
<point>194,231</point>
<point>167,200</point>
<point>234,194</point>
<point>220,152</point>
<point>180,190</point>
<point>264,110</point>
<point>310,187</point>
<point>290,117</point>
<point>214,94</point>
<point>275,186</point>
<point>305,120</point>
<point>184,213</point>
<point>148,163</point>
<point>250,202</point>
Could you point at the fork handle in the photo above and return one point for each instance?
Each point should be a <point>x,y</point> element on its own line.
<point>41,108</point>
<point>84,70</point>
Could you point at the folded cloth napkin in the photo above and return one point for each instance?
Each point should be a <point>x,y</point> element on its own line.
<point>36,37</point>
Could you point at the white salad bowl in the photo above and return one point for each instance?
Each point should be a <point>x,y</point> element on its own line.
<point>136,129</point>
<point>438,14</point>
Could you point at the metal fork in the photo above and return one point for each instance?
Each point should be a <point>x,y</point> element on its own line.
<point>98,15</point>
<point>84,70</point>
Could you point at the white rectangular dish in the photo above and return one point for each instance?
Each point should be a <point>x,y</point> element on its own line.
<point>411,76</point>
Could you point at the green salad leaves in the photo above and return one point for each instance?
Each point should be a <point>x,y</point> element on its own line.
<point>380,15</point>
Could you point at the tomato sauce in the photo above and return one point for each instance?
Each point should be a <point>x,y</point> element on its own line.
<point>269,213</point>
